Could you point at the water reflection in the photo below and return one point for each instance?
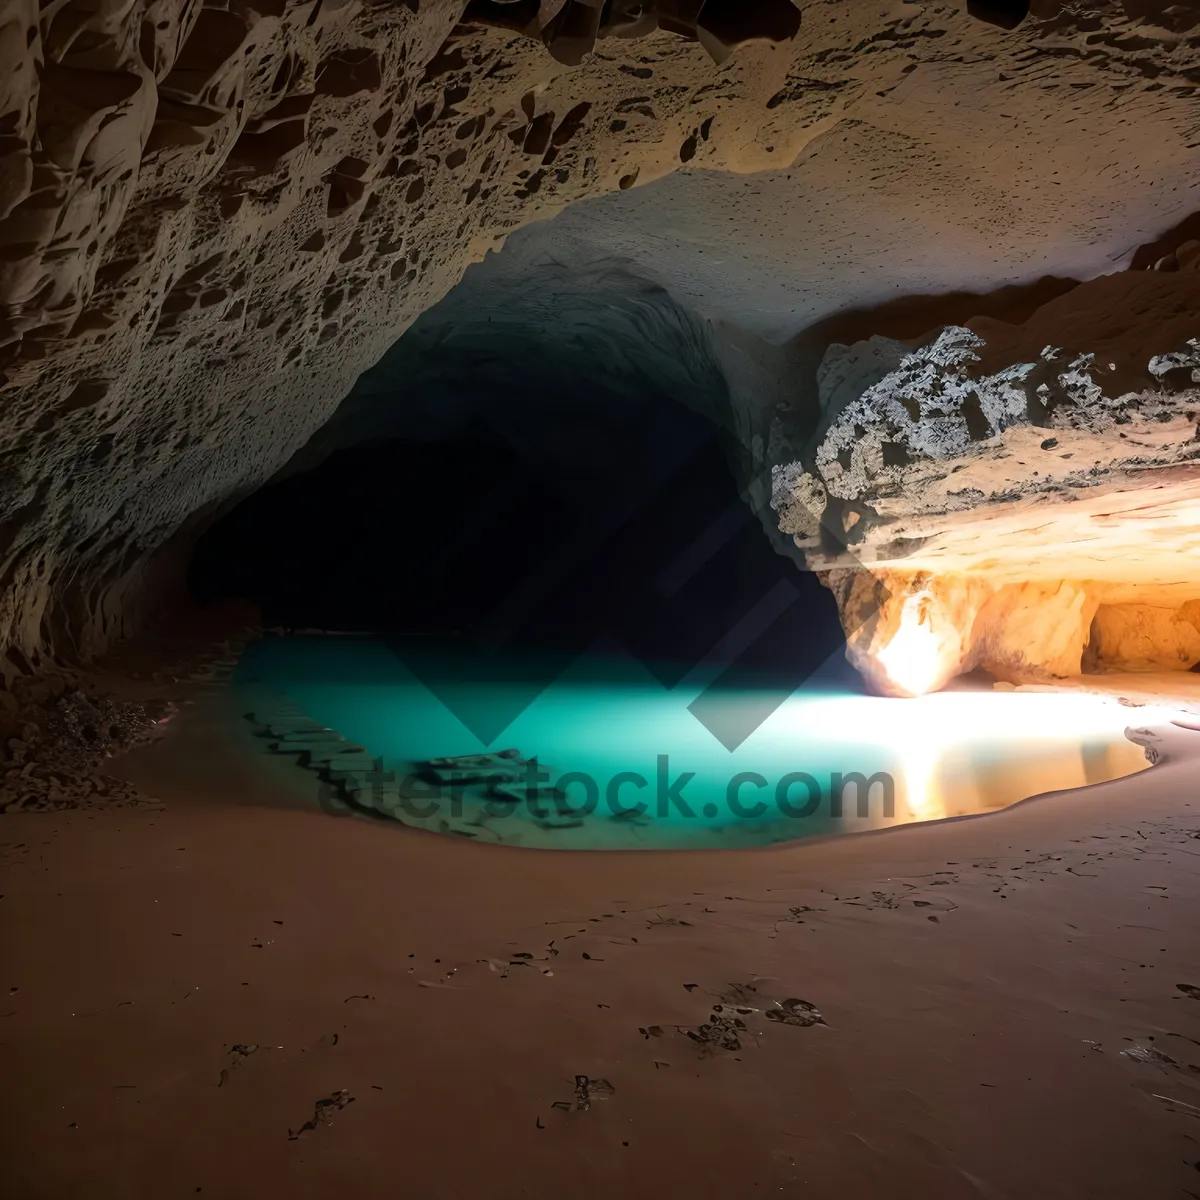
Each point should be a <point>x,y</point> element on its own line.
<point>966,752</point>
<point>956,780</point>
<point>611,741</point>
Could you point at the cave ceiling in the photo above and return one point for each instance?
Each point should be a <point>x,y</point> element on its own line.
<point>217,216</point>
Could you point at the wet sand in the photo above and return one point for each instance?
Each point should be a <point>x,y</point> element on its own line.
<point>236,997</point>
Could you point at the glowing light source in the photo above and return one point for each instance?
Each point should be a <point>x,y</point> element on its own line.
<point>913,658</point>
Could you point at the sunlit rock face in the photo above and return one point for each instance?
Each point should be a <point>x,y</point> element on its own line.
<point>1024,499</point>
<point>911,634</point>
<point>215,216</point>
<point>1150,637</point>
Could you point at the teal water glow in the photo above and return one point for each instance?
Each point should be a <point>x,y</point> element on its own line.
<point>949,754</point>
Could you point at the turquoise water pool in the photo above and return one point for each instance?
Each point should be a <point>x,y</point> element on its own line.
<point>606,756</point>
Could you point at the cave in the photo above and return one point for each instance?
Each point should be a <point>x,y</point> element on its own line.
<point>596,593</point>
<point>629,517</point>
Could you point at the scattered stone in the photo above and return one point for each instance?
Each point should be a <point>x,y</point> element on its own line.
<point>719,1031</point>
<point>1149,1054</point>
<point>795,1012</point>
<point>62,730</point>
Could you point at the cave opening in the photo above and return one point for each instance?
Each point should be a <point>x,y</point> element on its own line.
<point>547,513</point>
<point>1007,14</point>
<point>446,440</point>
<point>549,521</point>
<point>572,449</point>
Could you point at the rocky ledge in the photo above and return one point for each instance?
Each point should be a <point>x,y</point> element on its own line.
<point>1025,499</point>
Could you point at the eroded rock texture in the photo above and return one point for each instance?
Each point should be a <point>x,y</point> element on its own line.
<point>1037,519</point>
<point>217,215</point>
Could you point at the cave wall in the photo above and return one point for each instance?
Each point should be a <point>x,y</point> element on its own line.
<point>216,216</point>
<point>1039,518</point>
<point>1146,637</point>
<point>908,632</point>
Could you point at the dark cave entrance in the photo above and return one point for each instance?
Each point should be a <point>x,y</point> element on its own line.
<point>543,463</point>
<point>1007,14</point>
<point>613,527</point>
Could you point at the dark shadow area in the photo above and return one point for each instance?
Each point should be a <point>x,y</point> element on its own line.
<point>1165,245</point>
<point>914,318</point>
<point>510,548</point>
<point>1007,14</point>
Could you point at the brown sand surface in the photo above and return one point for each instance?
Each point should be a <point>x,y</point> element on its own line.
<point>1002,1015</point>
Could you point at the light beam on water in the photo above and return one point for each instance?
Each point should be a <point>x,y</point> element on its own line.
<point>949,753</point>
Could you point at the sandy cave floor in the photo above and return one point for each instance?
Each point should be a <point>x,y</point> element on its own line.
<point>232,996</point>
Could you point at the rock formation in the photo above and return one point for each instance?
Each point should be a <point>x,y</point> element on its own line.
<point>1032,520</point>
<point>216,215</point>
